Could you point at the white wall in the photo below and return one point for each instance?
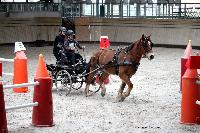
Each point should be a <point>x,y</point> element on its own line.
<point>169,32</point>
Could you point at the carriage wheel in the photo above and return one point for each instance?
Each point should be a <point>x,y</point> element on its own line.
<point>63,82</point>
<point>77,82</point>
<point>51,75</point>
<point>51,72</point>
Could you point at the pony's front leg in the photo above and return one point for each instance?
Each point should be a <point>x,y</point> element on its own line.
<point>130,87</point>
<point>87,90</point>
<point>89,80</point>
<point>120,91</point>
<point>126,79</point>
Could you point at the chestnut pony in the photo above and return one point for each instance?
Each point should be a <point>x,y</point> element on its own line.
<point>121,62</point>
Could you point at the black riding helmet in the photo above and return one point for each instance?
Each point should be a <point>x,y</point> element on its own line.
<point>69,32</point>
<point>63,29</point>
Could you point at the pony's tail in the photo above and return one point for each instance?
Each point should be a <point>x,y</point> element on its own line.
<point>93,63</point>
<point>90,64</point>
<point>88,67</point>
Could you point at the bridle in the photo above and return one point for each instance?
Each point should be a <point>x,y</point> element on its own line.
<point>147,45</point>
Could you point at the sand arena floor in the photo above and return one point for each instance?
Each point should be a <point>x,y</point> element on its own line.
<point>153,105</point>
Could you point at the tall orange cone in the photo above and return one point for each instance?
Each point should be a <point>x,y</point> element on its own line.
<point>41,68</point>
<point>3,121</point>
<point>190,111</point>
<point>42,115</point>
<point>187,54</point>
<point>20,68</point>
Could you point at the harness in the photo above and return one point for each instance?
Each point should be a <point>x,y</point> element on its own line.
<point>117,64</point>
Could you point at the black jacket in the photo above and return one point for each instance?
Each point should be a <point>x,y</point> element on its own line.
<point>59,40</point>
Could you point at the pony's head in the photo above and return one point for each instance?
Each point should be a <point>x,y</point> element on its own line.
<point>147,45</point>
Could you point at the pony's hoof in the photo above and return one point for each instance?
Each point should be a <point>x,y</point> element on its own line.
<point>88,94</point>
<point>122,99</point>
<point>103,94</point>
<point>119,99</point>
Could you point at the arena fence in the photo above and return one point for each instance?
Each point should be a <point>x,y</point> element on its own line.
<point>111,9</point>
<point>6,60</point>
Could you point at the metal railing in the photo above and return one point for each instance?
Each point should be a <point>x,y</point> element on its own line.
<point>29,7</point>
<point>111,10</point>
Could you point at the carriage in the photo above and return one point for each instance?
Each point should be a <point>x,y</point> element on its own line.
<point>123,62</point>
<point>67,76</point>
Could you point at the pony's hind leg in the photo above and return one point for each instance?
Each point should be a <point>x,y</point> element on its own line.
<point>103,76</point>
<point>126,79</point>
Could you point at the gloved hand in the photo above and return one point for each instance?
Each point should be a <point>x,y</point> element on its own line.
<point>83,47</point>
<point>59,45</point>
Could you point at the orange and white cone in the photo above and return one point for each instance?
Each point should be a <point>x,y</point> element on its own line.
<point>20,68</point>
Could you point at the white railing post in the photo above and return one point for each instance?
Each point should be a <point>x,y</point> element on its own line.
<point>198,102</point>
<point>20,85</point>
<point>6,60</point>
<point>22,106</point>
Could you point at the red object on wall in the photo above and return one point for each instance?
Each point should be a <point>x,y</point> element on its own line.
<point>104,42</point>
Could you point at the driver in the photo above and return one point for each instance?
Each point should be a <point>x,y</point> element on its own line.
<point>71,45</point>
<point>59,40</point>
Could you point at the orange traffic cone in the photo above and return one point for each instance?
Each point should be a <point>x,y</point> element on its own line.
<point>190,111</point>
<point>188,50</point>
<point>20,71</point>
<point>41,68</point>
<point>187,54</point>
<point>3,121</point>
<point>42,115</point>
<point>20,68</point>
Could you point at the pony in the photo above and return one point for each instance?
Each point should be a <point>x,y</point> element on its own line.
<point>121,62</point>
